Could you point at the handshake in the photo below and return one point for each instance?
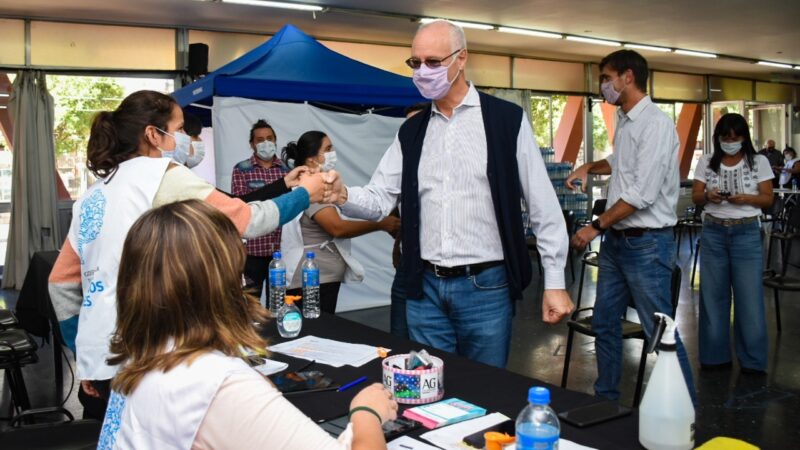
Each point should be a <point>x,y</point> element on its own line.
<point>322,187</point>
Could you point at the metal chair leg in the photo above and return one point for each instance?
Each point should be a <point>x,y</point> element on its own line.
<point>694,264</point>
<point>565,372</point>
<point>580,285</point>
<point>777,309</point>
<point>637,393</point>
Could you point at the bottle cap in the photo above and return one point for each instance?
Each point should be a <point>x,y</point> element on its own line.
<point>276,255</point>
<point>539,395</point>
<point>290,299</point>
<point>310,255</point>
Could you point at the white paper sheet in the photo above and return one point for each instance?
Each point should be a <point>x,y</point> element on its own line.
<point>408,443</point>
<point>327,351</point>
<point>451,437</point>
<point>270,367</point>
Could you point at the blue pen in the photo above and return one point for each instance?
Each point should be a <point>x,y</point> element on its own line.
<point>351,384</point>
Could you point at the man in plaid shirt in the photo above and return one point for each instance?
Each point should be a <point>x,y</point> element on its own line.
<point>262,168</point>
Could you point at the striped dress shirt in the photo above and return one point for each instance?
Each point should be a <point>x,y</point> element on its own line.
<point>457,219</point>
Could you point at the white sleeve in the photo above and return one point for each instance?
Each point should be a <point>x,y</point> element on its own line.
<point>764,169</point>
<point>700,169</point>
<point>547,219</point>
<point>378,198</point>
<point>249,412</point>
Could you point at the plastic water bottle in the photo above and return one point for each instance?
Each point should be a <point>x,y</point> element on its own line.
<point>290,321</point>
<point>310,287</point>
<point>537,425</point>
<point>277,283</point>
<point>794,184</point>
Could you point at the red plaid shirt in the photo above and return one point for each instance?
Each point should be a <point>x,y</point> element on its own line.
<point>247,177</point>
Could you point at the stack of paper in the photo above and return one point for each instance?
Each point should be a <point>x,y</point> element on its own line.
<point>327,351</point>
<point>270,367</point>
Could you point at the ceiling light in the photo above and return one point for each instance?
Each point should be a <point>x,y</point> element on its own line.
<point>774,64</point>
<point>283,5</point>
<point>649,47</point>
<point>694,53</point>
<point>796,67</point>
<point>477,26</point>
<point>525,32</point>
<point>594,41</point>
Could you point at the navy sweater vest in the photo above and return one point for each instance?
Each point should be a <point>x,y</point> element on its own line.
<point>501,120</point>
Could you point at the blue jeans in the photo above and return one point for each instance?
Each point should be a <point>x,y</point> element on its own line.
<point>635,270</point>
<point>731,257</point>
<point>397,322</point>
<point>469,315</point>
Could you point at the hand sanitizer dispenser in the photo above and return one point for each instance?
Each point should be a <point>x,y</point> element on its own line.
<point>666,414</point>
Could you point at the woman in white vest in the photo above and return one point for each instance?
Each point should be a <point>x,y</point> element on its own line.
<point>179,337</point>
<point>321,228</point>
<point>137,152</point>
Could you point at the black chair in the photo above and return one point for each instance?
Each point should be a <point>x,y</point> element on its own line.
<point>630,330</point>
<point>8,320</point>
<point>70,434</point>
<point>599,207</point>
<point>693,223</point>
<point>790,256</point>
<point>17,349</point>
<point>569,219</point>
<point>790,229</point>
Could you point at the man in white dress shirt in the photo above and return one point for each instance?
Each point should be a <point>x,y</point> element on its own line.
<point>637,255</point>
<point>460,169</point>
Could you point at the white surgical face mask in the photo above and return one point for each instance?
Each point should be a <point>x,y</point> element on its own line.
<point>330,161</point>
<point>266,150</point>
<point>199,152</point>
<point>182,143</point>
<point>730,148</point>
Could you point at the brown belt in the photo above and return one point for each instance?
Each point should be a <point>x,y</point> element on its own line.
<point>731,222</point>
<point>460,271</point>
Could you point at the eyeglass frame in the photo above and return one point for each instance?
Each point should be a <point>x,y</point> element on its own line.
<point>432,63</point>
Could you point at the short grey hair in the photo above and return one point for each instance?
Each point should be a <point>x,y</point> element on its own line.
<point>457,38</point>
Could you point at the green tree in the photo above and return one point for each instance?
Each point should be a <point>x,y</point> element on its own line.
<point>77,100</point>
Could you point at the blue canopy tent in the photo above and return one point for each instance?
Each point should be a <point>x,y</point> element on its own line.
<point>294,67</point>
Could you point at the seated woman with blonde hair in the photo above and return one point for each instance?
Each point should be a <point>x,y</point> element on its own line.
<point>182,322</point>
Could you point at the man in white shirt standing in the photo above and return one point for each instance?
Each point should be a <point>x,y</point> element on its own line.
<point>460,168</point>
<point>637,256</point>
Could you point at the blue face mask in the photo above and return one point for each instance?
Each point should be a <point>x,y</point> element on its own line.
<point>182,144</point>
<point>731,148</point>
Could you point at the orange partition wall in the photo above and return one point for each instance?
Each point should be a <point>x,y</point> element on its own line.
<point>609,117</point>
<point>688,126</point>
<point>569,135</point>
<point>5,115</point>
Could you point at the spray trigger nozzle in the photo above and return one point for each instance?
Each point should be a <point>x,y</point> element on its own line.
<point>663,336</point>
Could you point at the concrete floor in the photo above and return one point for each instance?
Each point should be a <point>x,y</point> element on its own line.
<point>762,410</point>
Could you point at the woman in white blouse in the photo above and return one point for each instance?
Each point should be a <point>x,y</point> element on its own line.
<point>182,324</point>
<point>734,184</point>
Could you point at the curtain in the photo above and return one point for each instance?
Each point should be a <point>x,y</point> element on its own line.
<point>34,218</point>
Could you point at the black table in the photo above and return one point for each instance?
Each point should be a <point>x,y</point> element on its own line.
<point>495,389</point>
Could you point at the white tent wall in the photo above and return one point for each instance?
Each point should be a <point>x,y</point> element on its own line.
<point>360,142</point>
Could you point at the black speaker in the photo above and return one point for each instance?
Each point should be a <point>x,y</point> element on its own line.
<point>198,60</point>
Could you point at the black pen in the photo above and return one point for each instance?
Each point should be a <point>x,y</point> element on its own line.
<point>308,391</point>
<point>305,367</point>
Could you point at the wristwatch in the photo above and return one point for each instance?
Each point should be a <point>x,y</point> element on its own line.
<point>596,225</point>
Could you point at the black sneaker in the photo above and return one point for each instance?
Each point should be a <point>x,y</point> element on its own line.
<point>713,367</point>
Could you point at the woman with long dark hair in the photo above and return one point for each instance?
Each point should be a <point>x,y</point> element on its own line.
<point>137,153</point>
<point>734,184</point>
<point>322,229</point>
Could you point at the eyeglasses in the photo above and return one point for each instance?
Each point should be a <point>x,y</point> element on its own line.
<point>432,63</point>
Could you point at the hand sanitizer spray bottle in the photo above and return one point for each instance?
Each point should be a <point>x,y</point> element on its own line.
<point>666,414</point>
<point>290,321</point>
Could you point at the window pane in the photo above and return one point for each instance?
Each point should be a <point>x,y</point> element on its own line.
<point>77,100</point>
<point>12,42</point>
<point>102,46</point>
